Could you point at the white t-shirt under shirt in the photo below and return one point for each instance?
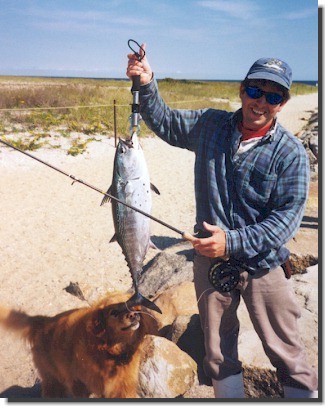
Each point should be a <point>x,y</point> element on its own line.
<point>245,145</point>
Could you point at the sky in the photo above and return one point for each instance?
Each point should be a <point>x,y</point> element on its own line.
<point>185,39</point>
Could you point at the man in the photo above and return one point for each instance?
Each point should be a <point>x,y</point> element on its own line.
<point>251,184</point>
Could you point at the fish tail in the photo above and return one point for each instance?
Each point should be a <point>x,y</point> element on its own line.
<point>138,299</point>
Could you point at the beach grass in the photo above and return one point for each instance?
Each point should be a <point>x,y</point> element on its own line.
<point>40,105</point>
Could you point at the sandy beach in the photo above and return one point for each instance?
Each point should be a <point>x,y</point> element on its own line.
<point>53,233</point>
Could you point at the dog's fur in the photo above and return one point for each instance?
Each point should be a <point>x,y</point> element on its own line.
<point>85,351</point>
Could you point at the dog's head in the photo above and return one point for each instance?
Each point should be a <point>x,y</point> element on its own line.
<point>116,322</point>
<point>118,328</point>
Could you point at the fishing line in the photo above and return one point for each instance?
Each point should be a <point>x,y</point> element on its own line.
<point>203,294</point>
<point>184,234</point>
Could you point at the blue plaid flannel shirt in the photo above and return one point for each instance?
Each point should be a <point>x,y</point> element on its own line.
<point>258,197</point>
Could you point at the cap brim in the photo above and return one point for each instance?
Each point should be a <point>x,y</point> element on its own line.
<point>268,76</point>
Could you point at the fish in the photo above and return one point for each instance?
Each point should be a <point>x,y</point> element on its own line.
<point>131,184</point>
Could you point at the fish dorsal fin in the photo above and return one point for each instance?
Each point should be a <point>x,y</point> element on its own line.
<point>154,189</point>
<point>106,198</point>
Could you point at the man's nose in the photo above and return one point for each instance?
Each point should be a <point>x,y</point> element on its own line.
<point>261,100</point>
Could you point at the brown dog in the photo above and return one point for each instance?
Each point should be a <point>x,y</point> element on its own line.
<point>86,351</point>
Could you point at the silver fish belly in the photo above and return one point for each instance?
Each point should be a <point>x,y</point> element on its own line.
<point>132,228</point>
<point>131,184</point>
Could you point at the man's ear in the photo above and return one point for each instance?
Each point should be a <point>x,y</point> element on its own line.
<point>241,90</point>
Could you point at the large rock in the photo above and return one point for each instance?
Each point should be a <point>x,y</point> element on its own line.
<point>165,270</point>
<point>313,145</point>
<point>180,322</point>
<point>178,300</point>
<point>309,138</point>
<point>187,333</point>
<point>165,370</point>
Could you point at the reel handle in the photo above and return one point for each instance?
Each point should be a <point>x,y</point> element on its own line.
<point>187,236</point>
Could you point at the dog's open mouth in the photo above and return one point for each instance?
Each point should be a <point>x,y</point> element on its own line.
<point>133,326</point>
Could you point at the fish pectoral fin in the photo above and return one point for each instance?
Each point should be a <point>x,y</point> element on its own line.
<point>154,188</point>
<point>106,198</point>
<point>152,245</point>
<point>113,239</point>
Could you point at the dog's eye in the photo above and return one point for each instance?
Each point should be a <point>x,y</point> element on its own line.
<point>114,313</point>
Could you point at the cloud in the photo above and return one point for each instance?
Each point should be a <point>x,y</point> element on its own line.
<point>236,8</point>
<point>301,14</point>
<point>71,20</point>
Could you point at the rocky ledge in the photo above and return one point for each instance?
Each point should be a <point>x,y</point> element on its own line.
<point>309,137</point>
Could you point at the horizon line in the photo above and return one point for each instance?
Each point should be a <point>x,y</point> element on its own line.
<point>126,79</point>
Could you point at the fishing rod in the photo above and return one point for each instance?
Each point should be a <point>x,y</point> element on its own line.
<point>184,234</point>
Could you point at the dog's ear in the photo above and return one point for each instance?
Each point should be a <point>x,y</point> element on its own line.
<point>99,323</point>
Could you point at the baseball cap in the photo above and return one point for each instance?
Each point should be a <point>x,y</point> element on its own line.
<point>271,69</point>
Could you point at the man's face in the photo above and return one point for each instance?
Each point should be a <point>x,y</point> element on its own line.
<point>257,113</point>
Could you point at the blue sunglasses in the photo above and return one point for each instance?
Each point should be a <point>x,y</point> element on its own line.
<point>256,93</point>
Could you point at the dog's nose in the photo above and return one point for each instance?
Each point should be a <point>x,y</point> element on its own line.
<point>133,316</point>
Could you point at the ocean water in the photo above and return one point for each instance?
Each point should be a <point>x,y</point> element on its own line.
<point>305,82</point>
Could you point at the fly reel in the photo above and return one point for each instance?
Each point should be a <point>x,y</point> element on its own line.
<point>223,276</point>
